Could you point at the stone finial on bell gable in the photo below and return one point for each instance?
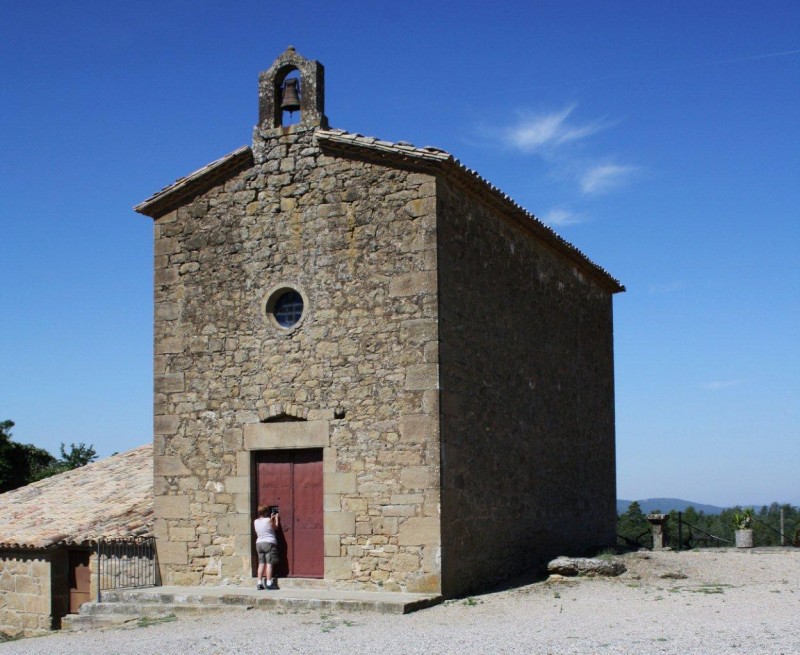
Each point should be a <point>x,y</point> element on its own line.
<point>311,92</point>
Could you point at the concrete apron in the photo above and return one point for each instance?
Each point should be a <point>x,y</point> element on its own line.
<point>119,607</point>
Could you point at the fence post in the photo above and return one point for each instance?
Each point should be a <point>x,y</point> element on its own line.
<point>658,526</point>
<point>98,570</point>
<point>783,532</point>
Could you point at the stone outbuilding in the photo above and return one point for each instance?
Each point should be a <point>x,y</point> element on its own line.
<point>49,532</point>
<point>372,337</point>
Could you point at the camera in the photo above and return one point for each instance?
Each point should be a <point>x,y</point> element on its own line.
<point>273,509</point>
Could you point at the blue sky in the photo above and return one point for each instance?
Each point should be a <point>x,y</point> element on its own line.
<point>662,140</point>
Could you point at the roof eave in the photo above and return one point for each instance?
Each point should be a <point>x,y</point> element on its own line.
<point>434,160</point>
<point>192,185</point>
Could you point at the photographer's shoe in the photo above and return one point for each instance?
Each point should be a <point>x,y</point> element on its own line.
<point>272,586</point>
<point>260,587</point>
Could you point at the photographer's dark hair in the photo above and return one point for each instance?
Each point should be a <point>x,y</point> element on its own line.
<point>263,511</point>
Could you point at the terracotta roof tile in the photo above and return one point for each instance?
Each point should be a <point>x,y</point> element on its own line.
<point>110,498</point>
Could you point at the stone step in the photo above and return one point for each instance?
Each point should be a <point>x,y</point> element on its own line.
<point>300,583</point>
<point>123,606</point>
<point>157,609</point>
<point>78,622</point>
<point>156,603</point>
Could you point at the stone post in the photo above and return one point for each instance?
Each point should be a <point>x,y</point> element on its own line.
<point>658,523</point>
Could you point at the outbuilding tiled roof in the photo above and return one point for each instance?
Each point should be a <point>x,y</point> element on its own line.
<point>111,498</point>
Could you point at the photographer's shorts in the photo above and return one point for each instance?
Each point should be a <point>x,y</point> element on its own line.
<point>267,553</point>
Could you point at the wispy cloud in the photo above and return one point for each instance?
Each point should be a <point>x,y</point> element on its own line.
<point>562,217</point>
<point>559,140</point>
<point>605,177</point>
<point>538,132</point>
<point>722,384</point>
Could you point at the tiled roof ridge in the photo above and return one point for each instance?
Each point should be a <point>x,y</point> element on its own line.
<point>441,157</point>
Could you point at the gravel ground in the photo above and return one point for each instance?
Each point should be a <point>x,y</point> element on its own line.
<point>724,601</point>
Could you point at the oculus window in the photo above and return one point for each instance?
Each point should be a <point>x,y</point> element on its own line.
<point>285,307</point>
<point>288,309</point>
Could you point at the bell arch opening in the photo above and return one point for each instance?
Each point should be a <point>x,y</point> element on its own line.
<point>288,90</point>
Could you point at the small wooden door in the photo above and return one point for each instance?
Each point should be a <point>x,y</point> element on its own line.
<point>292,480</point>
<point>79,578</point>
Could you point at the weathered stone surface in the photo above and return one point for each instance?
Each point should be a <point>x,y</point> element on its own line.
<point>169,466</point>
<point>585,566</point>
<point>25,599</point>
<point>171,507</point>
<point>527,403</point>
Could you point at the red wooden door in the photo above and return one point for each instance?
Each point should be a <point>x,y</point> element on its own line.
<point>292,480</point>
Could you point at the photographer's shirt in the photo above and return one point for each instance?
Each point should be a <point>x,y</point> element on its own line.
<point>265,532</point>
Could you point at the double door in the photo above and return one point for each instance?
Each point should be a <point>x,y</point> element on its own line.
<point>292,480</point>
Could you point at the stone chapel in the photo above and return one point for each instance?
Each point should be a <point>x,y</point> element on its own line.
<point>369,335</point>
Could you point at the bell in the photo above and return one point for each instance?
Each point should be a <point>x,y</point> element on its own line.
<point>291,100</point>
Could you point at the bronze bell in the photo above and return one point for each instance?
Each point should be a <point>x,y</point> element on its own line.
<point>291,99</point>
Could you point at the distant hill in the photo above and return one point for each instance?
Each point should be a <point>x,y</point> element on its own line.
<point>666,505</point>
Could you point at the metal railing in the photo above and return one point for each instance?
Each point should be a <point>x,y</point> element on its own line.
<point>684,535</point>
<point>639,541</point>
<point>789,534</point>
<point>707,539</point>
<point>126,564</point>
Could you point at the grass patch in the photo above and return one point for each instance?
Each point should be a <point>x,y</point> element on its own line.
<point>147,621</point>
<point>606,554</point>
<point>709,589</point>
<point>330,623</point>
<point>470,601</point>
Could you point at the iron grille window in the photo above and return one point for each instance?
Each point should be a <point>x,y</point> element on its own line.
<point>288,309</point>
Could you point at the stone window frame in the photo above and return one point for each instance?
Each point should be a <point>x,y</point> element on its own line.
<point>268,304</point>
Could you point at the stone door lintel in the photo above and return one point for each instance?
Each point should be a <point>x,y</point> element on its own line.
<point>292,434</point>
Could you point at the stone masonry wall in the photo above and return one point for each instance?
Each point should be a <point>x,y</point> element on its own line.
<point>358,240</point>
<point>24,594</point>
<point>527,390</point>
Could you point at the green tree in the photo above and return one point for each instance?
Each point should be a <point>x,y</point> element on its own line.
<point>632,526</point>
<point>19,463</point>
<point>78,455</point>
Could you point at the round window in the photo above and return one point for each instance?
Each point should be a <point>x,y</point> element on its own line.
<point>288,308</point>
<point>285,307</point>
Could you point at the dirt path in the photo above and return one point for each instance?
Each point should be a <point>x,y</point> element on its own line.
<point>666,603</point>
